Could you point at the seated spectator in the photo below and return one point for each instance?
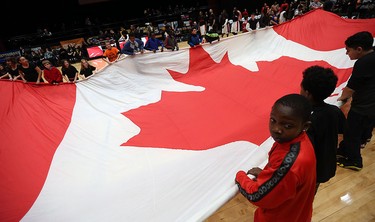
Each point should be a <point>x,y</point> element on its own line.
<point>133,45</point>
<point>153,44</point>
<point>51,74</point>
<point>194,39</point>
<point>86,68</point>
<point>46,33</point>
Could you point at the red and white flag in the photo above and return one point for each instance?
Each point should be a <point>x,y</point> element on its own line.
<point>158,137</point>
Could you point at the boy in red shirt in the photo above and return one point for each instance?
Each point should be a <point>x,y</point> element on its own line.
<point>51,73</point>
<point>284,189</point>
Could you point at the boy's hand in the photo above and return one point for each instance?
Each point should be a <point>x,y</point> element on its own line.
<point>254,171</point>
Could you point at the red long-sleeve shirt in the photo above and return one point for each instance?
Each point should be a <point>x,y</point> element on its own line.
<point>285,188</point>
<point>52,75</point>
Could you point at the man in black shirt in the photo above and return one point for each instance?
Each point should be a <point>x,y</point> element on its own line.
<point>361,88</point>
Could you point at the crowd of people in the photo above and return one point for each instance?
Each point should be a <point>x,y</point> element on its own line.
<point>204,25</point>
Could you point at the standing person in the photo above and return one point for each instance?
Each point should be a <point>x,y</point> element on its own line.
<point>284,189</point>
<point>111,54</point>
<point>236,17</point>
<point>211,22</point>
<point>328,121</point>
<point>202,21</point>
<point>245,25</point>
<point>170,39</point>
<point>51,74</point>
<point>86,68</point>
<point>29,70</point>
<point>224,22</point>
<point>69,71</point>
<point>361,88</point>
<point>133,45</point>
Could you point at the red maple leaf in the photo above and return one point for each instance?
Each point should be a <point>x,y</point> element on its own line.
<point>234,106</point>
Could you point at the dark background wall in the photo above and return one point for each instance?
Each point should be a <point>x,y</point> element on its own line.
<point>29,16</point>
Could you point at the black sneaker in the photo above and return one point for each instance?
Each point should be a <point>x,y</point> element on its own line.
<point>344,163</point>
<point>340,158</point>
<point>340,155</point>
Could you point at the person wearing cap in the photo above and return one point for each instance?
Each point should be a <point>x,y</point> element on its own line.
<point>51,74</point>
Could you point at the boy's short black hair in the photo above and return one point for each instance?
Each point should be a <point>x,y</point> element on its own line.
<point>300,105</point>
<point>319,81</point>
<point>362,39</point>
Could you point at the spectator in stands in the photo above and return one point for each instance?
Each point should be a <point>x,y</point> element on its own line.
<point>124,36</point>
<point>111,54</point>
<point>236,17</point>
<point>328,5</point>
<point>315,4</point>
<point>282,17</point>
<point>224,23</point>
<point>133,46</point>
<point>202,22</point>
<point>211,21</point>
<point>154,43</point>
<point>51,74</point>
<point>194,39</point>
<point>298,11</point>
<point>4,72</point>
<point>284,6</point>
<point>48,54</point>
<point>63,54</point>
<point>170,41</point>
<point>253,22</point>
<point>245,25</point>
<point>69,71</point>
<point>46,33</point>
<point>29,70</point>
<point>136,31</point>
<point>274,19</point>
<point>86,69</point>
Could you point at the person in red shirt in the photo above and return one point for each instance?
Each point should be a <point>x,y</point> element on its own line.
<point>51,74</point>
<point>284,189</point>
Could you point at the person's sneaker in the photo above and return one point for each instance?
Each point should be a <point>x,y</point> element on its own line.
<point>340,158</point>
<point>344,163</point>
<point>340,155</point>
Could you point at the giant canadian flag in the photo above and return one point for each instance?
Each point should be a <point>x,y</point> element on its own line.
<point>158,136</point>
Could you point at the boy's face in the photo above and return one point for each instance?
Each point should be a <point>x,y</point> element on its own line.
<point>353,53</point>
<point>284,125</point>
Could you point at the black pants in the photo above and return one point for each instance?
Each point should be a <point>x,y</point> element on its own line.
<point>357,126</point>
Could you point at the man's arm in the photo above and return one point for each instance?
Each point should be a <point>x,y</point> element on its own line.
<point>346,94</point>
